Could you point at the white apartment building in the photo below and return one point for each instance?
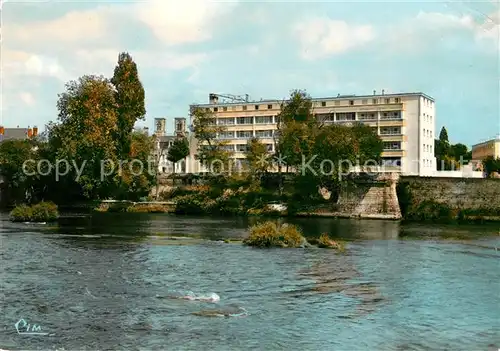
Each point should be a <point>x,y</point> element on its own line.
<point>405,122</point>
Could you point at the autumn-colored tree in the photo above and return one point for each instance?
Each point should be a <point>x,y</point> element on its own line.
<point>212,151</point>
<point>129,96</point>
<point>84,135</point>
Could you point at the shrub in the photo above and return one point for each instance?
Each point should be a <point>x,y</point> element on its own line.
<point>194,204</point>
<point>41,212</point>
<point>21,213</point>
<point>324,241</point>
<point>271,234</point>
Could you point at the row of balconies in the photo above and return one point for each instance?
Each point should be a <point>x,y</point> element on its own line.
<point>324,117</point>
<point>247,134</point>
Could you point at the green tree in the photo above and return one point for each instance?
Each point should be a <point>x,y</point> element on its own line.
<point>212,151</point>
<point>258,157</point>
<point>178,151</point>
<point>84,135</point>
<point>137,177</point>
<point>368,146</point>
<point>491,165</point>
<point>18,161</point>
<point>129,98</point>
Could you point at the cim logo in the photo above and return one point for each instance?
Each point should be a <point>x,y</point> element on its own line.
<point>25,328</point>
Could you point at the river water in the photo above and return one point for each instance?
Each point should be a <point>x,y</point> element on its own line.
<point>104,282</point>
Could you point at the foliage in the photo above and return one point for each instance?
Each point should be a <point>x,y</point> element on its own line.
<point>491,165</point>
<point>258,157</point>
<point>450,156</point>
<point>178,151</point>
<point>41,212</point>
<point>136,177</point>
<point>87,123</point>
<point>272,234</point>
<point>18,161</point>
<point>129,97</point>
<point>211,150</point>
<point>324,241</point>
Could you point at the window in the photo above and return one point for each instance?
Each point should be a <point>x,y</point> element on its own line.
<point>264,133</point>
<point>364,101</point>
<point>241,147</point>
<point>325,117</point>
<point>225,121</point>
<point>224,108</point>
<point>264,119</point>
<point>226,135</point>
<point>397,100</point>
<point>256,107</point>
<point>323,103</point>
<point>391,162</point>
<point>216,109</point>
<point>374,101</point>
<point>390,131</point>
<point>351,102</point>
<point>391,115</point>
<point>244,134</point>
<point>337,102</point>
<point>392,145</point>
<point>269,107</point>
<point>346,116</point>
<point>244,120</point>
<point>244,108</point>
<point>388,101</point>
<point>364,116</point>
<point>228,148</point>
<point>269,147</point>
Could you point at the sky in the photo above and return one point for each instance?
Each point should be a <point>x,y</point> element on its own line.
<point>187,49</point>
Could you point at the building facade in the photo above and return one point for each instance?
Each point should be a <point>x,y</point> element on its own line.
<point>405,122</point>
<point>164,141</point>
<point>17,133</point>
<point>485,149</point>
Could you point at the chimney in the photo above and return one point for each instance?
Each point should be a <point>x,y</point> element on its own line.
<point>383,91</point>
<point>374,92</point>
<point>35,131</point>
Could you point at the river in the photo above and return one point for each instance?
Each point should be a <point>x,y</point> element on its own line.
<point>104,282</point>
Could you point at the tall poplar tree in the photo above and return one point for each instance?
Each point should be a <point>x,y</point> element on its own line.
<point>129,97</point>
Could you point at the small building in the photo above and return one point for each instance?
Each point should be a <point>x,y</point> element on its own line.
<point>487,148</point>
<point>17,133</point>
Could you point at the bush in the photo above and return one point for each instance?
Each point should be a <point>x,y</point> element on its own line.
<point>271,234</point>
<point>324,241</point>
<point>41,212</point>
<point>194,204</point>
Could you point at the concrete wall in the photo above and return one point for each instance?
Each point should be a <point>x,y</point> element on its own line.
<point>472,196</point>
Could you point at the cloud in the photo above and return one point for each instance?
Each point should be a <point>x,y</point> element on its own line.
<point>179,22</point>
<point>323,37</point>
<point>27,98</point>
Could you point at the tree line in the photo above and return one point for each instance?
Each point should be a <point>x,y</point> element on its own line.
<point>91,151</point>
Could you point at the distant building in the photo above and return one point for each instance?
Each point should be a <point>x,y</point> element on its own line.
<point>164,141</point>
<point>485,149</point>
<point>405,122</point>
<point>17,133</point>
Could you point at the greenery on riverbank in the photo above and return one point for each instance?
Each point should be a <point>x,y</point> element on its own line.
<point>41,212</point>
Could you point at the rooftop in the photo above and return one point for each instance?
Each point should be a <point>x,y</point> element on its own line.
<point>493,140</point>
<point>339,97</point>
